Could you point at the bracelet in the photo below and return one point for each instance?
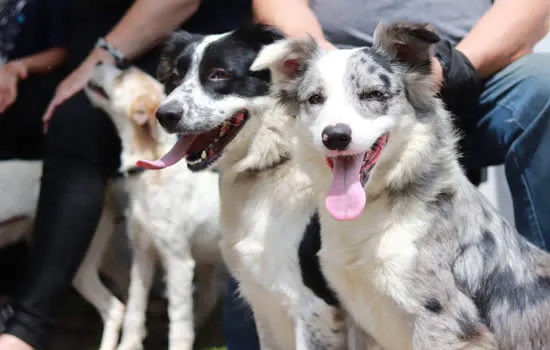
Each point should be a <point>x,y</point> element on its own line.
<point>120,60</point>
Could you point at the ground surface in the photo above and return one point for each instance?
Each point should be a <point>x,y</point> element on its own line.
<point>79,327</point>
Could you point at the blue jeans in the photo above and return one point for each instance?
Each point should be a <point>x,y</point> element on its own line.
<point>238,322</point>
<point>514,129</point>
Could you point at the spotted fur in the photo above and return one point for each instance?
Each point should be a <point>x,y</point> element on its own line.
<point>266,200</point>
<point>429,263</point>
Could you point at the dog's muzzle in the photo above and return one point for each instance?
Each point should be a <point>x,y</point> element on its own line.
<point>169,115</point>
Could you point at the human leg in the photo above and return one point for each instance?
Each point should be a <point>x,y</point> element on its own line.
<point>82,150</point>
<point>515,130</point>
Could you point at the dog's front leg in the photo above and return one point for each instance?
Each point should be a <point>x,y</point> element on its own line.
<point>180,267</point>
<point>263,334</point>
<point>452,331</point>
<point>319,326</point>
<point>89,285</point>
<point>358,339</point>
<point>141,278</point>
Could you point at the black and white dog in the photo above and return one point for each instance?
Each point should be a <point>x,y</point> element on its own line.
<point>415,253</point>
<point>226,120</point>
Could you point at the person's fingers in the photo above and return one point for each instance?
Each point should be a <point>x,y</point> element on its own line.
<point>48,114</point>
<point>20,71</point>
<point>9,95</point>
<point>23,74</point>
<point>9,99</point>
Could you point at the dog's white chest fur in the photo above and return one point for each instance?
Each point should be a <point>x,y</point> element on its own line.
<point>263,225</point>
<point>368,262</point>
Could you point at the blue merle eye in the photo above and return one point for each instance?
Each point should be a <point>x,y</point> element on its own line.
<point>372,95</point>
<point>316,99</point>
<point>218,74</point>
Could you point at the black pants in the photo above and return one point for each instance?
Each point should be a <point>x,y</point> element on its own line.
<point>81,151</point>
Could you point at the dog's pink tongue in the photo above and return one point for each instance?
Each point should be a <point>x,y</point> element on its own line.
<point>173,156</point>
<point>346,197</point>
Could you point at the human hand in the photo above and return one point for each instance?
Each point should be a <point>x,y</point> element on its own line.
<point>10,342</point>
<point>75,82</point>
<point>327,45</point>
<point>10,74</point>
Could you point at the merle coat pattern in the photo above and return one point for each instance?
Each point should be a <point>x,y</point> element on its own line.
<point>428,263</point>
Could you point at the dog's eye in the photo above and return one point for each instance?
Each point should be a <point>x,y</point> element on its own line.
<point>316,99</point>
<point>372,95</point>
<point>219,74</point>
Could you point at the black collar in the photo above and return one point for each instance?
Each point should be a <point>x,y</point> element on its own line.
<point>131,171</point>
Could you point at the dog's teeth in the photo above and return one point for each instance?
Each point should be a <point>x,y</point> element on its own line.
<point>203,155</point>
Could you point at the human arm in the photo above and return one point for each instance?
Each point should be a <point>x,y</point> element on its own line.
<point>13,71</point>
<point>508,30</point>
<point>145,24</point>
<point>293,17</point>
<point>153,20</point>
<point>42,62</point>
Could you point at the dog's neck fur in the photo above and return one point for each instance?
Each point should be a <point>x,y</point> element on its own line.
<point>404,164</point>
<point>266,135</point>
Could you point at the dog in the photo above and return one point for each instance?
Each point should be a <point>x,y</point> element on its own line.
<point>19,189</point>
<point>224,115</point>
<point>173,215</point>
<point>416,255</point>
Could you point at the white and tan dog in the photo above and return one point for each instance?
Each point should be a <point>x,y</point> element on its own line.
<point>173,215</point>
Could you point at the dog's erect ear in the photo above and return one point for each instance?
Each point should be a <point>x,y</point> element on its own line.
<point>285,58</point>
<point>408,42</point>
<point>173,46</point>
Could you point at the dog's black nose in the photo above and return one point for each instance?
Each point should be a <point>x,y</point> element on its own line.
<point>337,137</point>
<point>99,63</point>
<point>169,114</point>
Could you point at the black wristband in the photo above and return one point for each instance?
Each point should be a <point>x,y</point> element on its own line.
<point>462,86</point>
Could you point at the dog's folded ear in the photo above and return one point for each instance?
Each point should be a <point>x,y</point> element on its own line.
<point>409,42</point>
<point>173,46</point>
<point>258,34</point>
<point>285,58</point>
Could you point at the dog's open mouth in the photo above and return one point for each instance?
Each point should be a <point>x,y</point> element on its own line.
<point>200,150</point>
<point>98,89</point>
<point>346,197</point>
